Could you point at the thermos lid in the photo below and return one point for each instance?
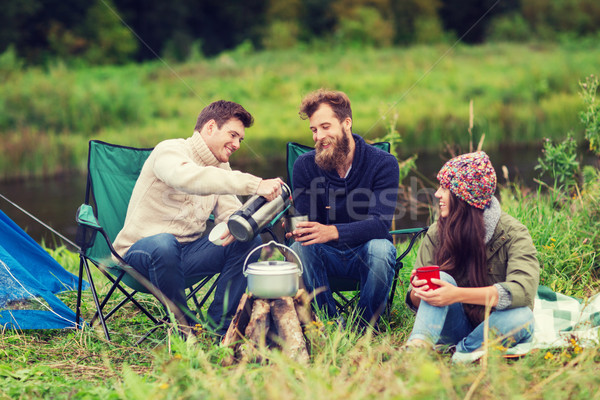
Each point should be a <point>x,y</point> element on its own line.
<point>240,228</point>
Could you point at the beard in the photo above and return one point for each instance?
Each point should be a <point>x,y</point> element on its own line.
<point>335,156</point>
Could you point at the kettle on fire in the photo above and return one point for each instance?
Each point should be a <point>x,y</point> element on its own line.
<point>248,221</point>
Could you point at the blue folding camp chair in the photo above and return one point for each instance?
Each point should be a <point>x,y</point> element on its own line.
<point>341,284</point>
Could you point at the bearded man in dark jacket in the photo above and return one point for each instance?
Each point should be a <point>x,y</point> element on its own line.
<point>348,190</point>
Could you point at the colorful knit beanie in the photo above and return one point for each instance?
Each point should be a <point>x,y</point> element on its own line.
<point>470,177</point>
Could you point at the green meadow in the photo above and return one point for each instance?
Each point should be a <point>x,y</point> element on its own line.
<point>521,93</point>
<point>343,364</point>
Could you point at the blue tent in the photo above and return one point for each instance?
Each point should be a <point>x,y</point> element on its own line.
<point>30,276</point>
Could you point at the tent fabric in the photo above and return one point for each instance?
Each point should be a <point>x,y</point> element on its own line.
<point>27,271</point>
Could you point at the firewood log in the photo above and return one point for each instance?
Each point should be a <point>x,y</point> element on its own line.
<point>302,305</point>
<point>235,332</point>
<point>288,327</point>
<point>256,331</point>
<point>240,320</point>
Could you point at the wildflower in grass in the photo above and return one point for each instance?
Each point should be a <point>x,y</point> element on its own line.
<point>574,346</point>
<point>164,386</point>
<point>549,356</point>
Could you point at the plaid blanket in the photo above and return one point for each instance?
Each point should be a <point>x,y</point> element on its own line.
<point>558,319</point>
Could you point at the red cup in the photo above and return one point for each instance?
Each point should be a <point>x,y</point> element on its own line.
<point>428,272</point>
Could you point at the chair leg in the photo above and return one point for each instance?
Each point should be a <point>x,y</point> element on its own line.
<point>79,293</point>
<point>128,297</point>
<point>390,302</point>
<point>208,293</point>
<point>95,296</point>
<point>107,296</point>
<point>192,295</point>
<point>156,326</point>
<point>199,285</point>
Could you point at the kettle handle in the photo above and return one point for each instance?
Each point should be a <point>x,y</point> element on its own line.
<point>268,244</point>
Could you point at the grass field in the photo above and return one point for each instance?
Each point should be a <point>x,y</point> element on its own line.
<point>522,93</point>
<point>343,365</point>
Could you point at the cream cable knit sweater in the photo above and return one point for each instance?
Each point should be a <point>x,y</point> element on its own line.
<point>179,186</point>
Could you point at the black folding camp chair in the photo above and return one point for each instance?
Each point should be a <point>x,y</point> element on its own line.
<point>341,284</point>
<point>112,173</point>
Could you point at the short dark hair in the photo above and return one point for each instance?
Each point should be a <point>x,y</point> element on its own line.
<point>338,101</point>
<point>222,111</point>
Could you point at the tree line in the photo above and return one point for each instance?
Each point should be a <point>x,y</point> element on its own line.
<point>120,31</point>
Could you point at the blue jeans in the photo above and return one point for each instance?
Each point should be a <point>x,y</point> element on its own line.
<point>371,263</point>
<point>169,264</point>
<point>450,325</point>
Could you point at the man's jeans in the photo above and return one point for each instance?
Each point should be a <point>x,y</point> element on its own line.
<point>449,325</point>
<point>168,264</point>
<point>372,263</point>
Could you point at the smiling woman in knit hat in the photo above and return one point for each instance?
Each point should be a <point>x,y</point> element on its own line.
<point>486,258</point>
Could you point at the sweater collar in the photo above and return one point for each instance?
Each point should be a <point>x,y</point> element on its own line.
<point>201,151</point>
<point>491,216</point>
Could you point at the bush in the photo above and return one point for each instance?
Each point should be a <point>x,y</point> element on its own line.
<point>512,28</point>
<point>10,64</point>
<point>366,27</point>
<point>63,100</point>
<point>429,30</point>
<point>281,35</point>
<point>560,163</point>
<point>590,117</point>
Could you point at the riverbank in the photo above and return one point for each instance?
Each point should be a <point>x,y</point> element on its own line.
<point>522,93</point>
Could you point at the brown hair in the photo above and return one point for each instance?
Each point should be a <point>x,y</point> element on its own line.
<point>222,111</point>
<point>338,101</point>
<point>462,249</point>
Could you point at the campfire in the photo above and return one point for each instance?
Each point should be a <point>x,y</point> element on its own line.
<point>269,323</point>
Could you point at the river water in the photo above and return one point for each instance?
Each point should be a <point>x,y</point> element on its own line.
<point>55,200</point>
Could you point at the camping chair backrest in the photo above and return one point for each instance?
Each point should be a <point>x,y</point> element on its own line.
<point>295,150</point>
<point>112,173</point>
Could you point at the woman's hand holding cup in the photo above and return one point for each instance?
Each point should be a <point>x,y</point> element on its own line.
<point>420,278</point>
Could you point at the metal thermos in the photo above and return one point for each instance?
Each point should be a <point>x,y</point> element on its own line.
<point>248,221</point>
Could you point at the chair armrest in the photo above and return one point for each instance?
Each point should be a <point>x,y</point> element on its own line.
<point>415,232</point>
<point>85,216</point>
<point>409,231</point>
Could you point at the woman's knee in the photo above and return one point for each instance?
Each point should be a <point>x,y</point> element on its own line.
<point>516,318</point>
<point>446,277</point>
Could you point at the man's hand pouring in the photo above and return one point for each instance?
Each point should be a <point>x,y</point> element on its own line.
<point>270,188</point>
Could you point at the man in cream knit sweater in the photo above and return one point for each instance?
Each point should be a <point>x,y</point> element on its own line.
<point>180,185</point>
